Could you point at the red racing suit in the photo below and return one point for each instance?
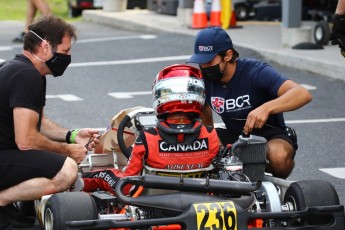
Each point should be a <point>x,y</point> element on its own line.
<point>151,149</point>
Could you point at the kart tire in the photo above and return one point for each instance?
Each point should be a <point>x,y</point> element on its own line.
<point>322,32</point>
<point>242,13</point>
<point>311,193</point>
<point>68,206</point>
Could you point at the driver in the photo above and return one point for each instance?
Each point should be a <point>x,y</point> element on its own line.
<point>178,142</point>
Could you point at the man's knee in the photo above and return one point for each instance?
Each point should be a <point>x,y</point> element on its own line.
<point>281,158</point>
<point>66,177</point>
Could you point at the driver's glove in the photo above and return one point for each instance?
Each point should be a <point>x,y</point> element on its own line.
<point>338,32</point>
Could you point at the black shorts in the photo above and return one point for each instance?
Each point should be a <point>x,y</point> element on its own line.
<point>227,137</point>
<point>17,166</point>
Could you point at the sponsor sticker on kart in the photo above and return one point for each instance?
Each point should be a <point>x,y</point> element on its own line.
<point>98,3</point>
<point>216,215</point>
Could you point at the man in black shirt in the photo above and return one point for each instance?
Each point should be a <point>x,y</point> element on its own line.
<point>37,156</point>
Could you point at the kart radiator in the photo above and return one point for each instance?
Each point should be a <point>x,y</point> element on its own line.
<point>252,151</point>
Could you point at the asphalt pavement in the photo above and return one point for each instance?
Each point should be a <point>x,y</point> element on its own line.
<point>263,37</point>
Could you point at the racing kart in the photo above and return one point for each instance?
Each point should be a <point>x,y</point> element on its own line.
<point>233,193</point>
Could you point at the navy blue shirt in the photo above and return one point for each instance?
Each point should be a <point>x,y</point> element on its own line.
<point>253,84</point>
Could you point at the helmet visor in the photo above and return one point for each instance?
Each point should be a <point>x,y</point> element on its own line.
<point>183,89</point>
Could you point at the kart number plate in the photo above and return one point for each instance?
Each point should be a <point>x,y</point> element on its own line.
<point>216,215</point>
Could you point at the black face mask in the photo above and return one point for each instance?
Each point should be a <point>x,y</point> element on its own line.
<point>58,63</point>
<point>212,73</point>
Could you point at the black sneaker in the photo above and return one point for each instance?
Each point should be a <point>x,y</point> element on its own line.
<point>4,223</point>
<point>19,38</point>
<point>16,218</point>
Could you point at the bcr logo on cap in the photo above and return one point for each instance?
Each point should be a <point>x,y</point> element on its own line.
<point>205,48</point>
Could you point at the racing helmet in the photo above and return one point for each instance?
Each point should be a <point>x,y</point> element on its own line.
<point>178,88</point>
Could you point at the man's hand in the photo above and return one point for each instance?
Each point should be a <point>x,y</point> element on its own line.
<point>77,152</point>
<point>88,138</point>
<point>256,119</point>
<point>338,33</point>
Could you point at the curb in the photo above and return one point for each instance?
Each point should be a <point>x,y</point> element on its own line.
<point>315,61</point>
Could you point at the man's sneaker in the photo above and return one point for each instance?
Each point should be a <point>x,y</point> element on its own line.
<point>19,38</point>
<point>16,218</point>
<point>4,224</point>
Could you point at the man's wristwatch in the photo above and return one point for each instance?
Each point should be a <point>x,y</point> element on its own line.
<point>68,136</point>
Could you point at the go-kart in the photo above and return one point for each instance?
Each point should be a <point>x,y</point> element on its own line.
<point>233,193</point>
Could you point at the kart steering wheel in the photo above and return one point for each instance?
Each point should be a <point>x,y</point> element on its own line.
<point>136,126</point>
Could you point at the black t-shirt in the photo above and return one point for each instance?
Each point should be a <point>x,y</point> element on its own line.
<point>21,85</point>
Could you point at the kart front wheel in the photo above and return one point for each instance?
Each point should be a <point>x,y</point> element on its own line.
<point>68,206</point>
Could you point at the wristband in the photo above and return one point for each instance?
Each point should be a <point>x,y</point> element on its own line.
<point>68,136</point>
<point>73,135</point>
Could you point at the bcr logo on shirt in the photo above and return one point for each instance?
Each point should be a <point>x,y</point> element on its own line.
<point>219,103</point>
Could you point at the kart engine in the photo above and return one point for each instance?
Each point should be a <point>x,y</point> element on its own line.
<point>244,160</point>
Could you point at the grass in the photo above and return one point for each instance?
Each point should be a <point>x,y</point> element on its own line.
<point>16,9</point>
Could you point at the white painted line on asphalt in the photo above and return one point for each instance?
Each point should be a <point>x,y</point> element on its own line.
<point>8,48</point>
<point>69,97</point>
<point>309,87</point>
<point>126,95</point>
<point>307,121</point>
<point>221,125</point>
<point>65,97</point>
<point>133,61</point>
<point>335,172</point>
<point>51,96</point>
<point>5,48</point>
<point>326,120</point>
<point>148,36</point>
<point>144,36</point>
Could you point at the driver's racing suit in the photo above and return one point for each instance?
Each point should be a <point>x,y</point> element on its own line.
<point>151,149</point>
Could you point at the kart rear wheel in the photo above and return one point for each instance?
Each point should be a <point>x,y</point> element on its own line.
<point>68,206</point>
<point>311,193</point>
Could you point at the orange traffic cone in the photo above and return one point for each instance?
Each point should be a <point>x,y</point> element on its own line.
<point>199,15</point>
<point>233,21</point>
<point>215,13</point>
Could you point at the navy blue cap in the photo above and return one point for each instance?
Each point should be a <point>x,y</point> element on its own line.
<point>208,43</point>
